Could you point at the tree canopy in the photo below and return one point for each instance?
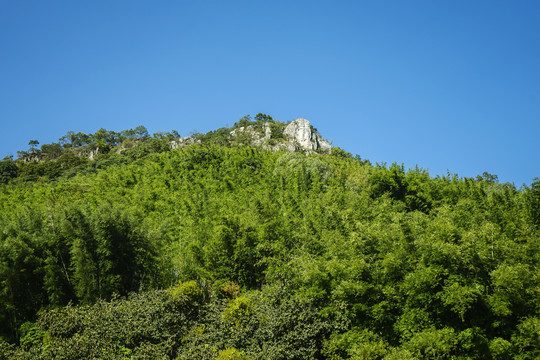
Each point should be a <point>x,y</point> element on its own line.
<point>215,250</point>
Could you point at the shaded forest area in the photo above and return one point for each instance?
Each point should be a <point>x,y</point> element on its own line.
<point>222,250</point>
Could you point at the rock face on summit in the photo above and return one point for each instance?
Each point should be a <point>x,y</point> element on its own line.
<point>302,134</point>
<point>298,135</point>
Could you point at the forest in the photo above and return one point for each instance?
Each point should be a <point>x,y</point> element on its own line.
<point>121,246</point>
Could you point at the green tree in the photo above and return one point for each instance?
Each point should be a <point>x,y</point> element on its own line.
<point>532,196</point>
<point>108,254</point>
<point>33,144</point>
<point>8,170</point>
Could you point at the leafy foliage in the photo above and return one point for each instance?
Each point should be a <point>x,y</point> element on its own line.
<point>8,170</point>
<point>218,251</point>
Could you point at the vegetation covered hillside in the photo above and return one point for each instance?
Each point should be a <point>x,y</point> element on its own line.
<point>219,249</point>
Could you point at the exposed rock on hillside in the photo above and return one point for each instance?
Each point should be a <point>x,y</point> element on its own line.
<point>297,135</point>
<point>302,134</point>
<point>256,137</point>
<point>179,143</point>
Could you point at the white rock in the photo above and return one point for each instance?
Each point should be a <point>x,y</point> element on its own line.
<point>300,131</point>
<point>304,136</point>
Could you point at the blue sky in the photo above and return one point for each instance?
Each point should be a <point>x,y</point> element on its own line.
<point>445,85</point>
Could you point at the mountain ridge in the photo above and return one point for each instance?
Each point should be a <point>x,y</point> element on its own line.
<point>77,149</point>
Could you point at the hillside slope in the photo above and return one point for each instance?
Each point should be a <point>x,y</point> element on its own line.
<point>222,249</point>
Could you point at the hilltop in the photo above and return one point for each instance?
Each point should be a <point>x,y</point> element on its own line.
<point>76,150</point>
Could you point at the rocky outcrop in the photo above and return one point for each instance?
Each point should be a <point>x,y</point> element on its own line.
<point>185,141</point>
<point>298,135</point>
<point>256,137</point>
<point>305,137</point>
<point>93,153</point>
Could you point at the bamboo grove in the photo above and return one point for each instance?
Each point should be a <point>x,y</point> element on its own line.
<point>222,250</point>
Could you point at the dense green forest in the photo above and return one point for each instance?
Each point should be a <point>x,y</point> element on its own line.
<point>119,245</point>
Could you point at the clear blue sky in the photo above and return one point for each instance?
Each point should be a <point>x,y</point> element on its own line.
<point>445,85</point>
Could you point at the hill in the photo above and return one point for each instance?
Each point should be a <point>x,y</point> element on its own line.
<point>75,152</point>
<point>230,245</point>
